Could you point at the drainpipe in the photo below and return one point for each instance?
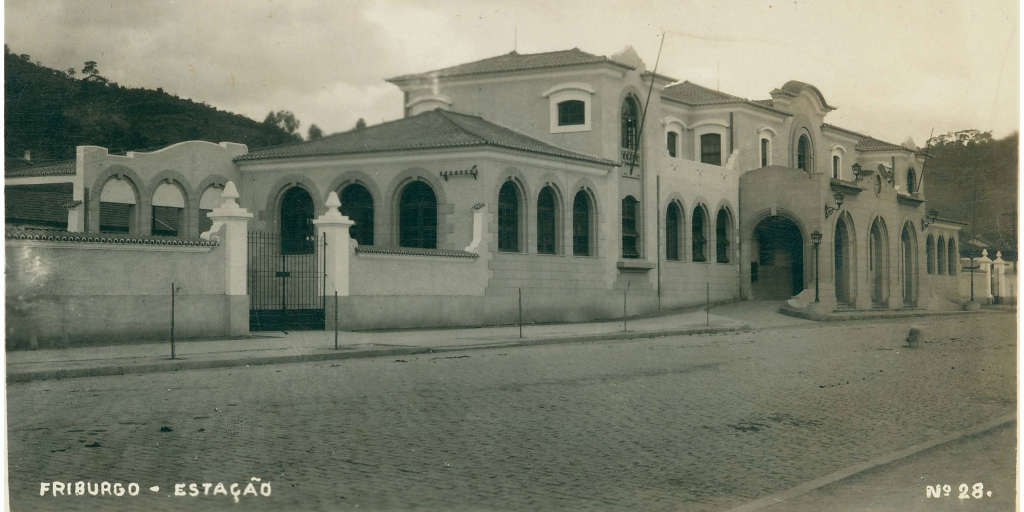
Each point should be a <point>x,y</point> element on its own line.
<point>730,134</point>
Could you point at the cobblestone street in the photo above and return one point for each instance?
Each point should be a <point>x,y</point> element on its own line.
<point>692,422</point>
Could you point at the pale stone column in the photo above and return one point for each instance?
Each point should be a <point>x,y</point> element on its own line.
<point>235,223</point>
<point>333,226</point>
<point>985,268</point>
<point>998,266</point>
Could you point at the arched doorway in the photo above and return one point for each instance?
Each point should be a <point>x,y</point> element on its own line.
<point>777,271</point>
<point>908,246</point>
<point>878,262</point>
<point>297,232</point>
<point>844,249</point>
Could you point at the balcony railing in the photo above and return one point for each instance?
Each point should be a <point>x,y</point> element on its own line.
<point>630,158</point>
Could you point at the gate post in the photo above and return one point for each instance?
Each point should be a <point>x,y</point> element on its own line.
<point>235,222</point>
<point>332,226</point>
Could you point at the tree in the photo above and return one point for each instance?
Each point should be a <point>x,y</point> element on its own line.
<point>90,68</point>
<point>283,120</point>
<point>70,72</point>
<point>315,132</point>
<point>360,124</point>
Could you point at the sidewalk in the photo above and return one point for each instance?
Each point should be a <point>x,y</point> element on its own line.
<point>294,347</point>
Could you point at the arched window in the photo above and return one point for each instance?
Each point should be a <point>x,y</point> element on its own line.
<point>940,251</point>
<point>168,205</point>
<point>722,230</point>
<point>117,206</point>
<point>357,205</point>
<point>699,235</point>
<point>630,234</point>
<point>929,249</point>
<point>546,231</point>
<point>207,202</point>
<point>765,148</point>
<point>508,218</point>
<point>630,123</point>
<point>571,112</point>
<point>297,233</point>
<point>803,154</point>
<point>711,148</point>
<point>417,216</point>
<point>673,219</point>
<point>835,166</point>
<point>954,258</point>
<point>672,141</point>
<point>911,181</point>
<point>581,224</point>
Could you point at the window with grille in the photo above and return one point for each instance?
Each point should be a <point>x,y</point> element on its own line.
<point>699,238</point>
<point>571,112</point>
<point>672,221</point>
<point>630,235</point>
<point>722,236</point>
<point>630,124</point>
<point>417,216</point>
<point>508,218</point>
<point>581,225</point>
<point>953,260</point>
<point>711,149</point>
<point>357,205</point>
<point>911,181</point>
<point>297,232</point>
<point>930,252</point>
<point>803,148</point>
<point>546,222</point>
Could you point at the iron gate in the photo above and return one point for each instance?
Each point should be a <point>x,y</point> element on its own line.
<point>285,282</point>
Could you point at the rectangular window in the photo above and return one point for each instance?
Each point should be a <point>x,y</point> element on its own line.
<point>672,141</point>
<point>115,217</point>
<point>629,232</point>
<point>764,152</point>
<point>835,166</point>
<point>571,112</point>
<point>711,149</point>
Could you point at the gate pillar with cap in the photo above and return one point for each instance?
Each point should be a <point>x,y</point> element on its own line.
<point>333,228</point>
<point>235,223</point>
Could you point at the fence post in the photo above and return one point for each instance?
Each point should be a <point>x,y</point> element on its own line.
<point>707,305</point>
<point>172,320</point>
<point>625,309</point>
<point>235,238</point>
<point>520,313</point>
<point>333,226</point>
<point>335,319</point>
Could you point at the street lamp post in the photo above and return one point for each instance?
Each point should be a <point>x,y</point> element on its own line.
<point>816,240</point>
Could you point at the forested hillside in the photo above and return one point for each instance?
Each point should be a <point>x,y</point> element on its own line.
<point>49,112</point>
<point>973,177</point>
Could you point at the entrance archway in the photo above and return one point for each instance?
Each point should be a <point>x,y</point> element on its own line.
<point>777,269</point>
<point>878,262</point>
<point>844,251</point>
<point>908,247</point>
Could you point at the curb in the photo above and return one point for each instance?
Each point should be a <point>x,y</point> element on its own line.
<point>774,499</point>
<point>827,317</point>
<point>104,371</point>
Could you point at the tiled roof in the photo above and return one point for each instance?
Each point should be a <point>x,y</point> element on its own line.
<point>765,103</point>
<point>698,95</point>
<point>873,144</point>
<point>42,204</point>
<point>793,88</point>
<point>60,168</point>
<point>435,129</point>
<point>414,251</point>
<point>53,235</point>
<point>515,62</point>
<point>844,130</point>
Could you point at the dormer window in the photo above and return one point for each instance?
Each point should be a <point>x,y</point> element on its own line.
<point>570,107</point>
<point>572,112</point>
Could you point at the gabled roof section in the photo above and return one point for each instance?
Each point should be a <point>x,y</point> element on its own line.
<point>690,93</point>
<point>793,88</point>
<point>435,129</point>
<point>57,168</point>
<point>514,62</point>
<point>873,144</point>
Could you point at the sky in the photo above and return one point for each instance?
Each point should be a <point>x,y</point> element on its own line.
<point>895,69</point>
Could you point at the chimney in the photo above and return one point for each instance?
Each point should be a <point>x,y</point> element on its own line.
<point>28,155</point>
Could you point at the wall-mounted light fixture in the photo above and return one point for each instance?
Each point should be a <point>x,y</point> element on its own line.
<point>929,218</point>
<point>856,171</point>
<point>839,197</point>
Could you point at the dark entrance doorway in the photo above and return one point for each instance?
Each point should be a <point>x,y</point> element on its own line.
<point>778,269</point>
<point>844,264</point>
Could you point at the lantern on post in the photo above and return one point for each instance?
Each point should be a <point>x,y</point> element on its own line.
<point>816,240</point>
